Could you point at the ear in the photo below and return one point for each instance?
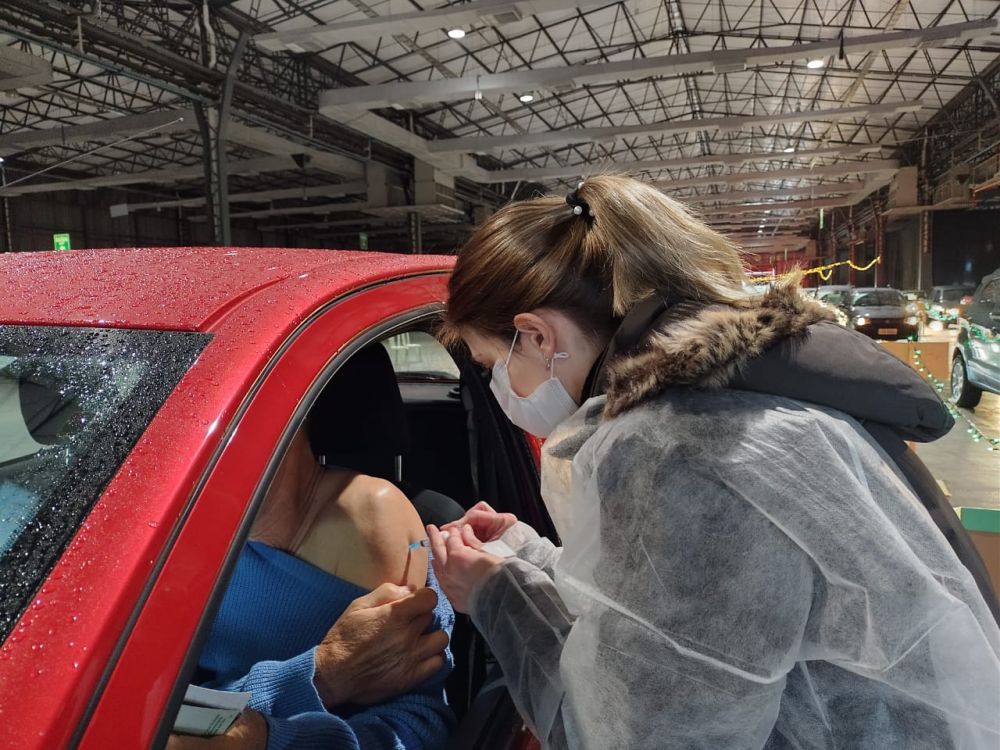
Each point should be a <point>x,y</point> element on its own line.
<point>537,334</point>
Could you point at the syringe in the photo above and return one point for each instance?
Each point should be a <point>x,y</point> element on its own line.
<point>426,542</point>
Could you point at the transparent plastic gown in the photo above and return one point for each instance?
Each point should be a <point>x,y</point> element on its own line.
<point>739,570</point>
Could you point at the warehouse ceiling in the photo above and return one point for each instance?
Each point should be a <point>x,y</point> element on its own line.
<point>756,111</point>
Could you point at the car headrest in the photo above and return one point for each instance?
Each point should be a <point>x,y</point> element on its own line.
<point>33,414</point>
<point>16,441</point>
<point>358,421</point>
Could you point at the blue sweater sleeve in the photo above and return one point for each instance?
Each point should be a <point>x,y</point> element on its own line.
<point>285,693</point>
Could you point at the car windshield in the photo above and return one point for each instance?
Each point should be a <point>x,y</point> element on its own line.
<point>73,402</point>
<point>417,355</point>
<point>878,298</point>
<point>833,298</point>
<point>954,294</point>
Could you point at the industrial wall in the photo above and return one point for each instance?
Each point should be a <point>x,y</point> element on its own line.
<point>84,215</point>
<point>966,245</point>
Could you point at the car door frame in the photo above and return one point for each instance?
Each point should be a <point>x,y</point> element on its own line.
<point>146,683</point>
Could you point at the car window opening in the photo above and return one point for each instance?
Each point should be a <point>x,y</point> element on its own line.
<point>395,416</point>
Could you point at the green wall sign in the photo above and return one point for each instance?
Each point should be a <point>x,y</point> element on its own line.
<point>60,241</point>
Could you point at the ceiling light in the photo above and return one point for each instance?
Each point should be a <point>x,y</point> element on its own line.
<point>456,33</point>
<point>815,64</point>
<point>768,211</point>
<point>790,150</point>
<point>525,98</point>
<point>295,47</point>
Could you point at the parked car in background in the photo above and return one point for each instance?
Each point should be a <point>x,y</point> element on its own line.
<point>880,312</point>
<point>975,365</point>
<point>834,294</point>
<point>947,303</point>
<point>833,302</point>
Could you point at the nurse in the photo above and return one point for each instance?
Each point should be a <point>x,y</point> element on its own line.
<point>739,568</point>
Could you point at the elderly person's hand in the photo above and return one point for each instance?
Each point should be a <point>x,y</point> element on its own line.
<point>486,523</point>
<point>460,564</point>
<point>379,647</point>
<point>248,732</point>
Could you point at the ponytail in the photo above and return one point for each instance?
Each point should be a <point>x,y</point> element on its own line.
<point>615,241</point>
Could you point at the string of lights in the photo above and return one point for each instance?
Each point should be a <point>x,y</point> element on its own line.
<point>824,272</point>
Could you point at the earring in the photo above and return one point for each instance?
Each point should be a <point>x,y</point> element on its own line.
<point>549,361</point>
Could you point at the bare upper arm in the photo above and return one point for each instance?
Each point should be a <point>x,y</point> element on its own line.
<point>363,534</point>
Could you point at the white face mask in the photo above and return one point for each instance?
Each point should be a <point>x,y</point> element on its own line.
<point>544,409</point>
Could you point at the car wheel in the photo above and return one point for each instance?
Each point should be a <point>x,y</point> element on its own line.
<point>963,393</point>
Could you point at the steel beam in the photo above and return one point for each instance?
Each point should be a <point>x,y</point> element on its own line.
<point>260,196</point>
<point>479,12</point>
<point>164,121</point>
<point>778,241</point>
<point>155,176</point>
<point>808,205</point>
<point>783,193</point>
<point>21,70</point>
<point>873,166</point>
<point>416,94</point>
<point>214,121</point>
<point>483,144</point>
<point>539,174</point>
<point>269,143</point>
<point>374,126</point>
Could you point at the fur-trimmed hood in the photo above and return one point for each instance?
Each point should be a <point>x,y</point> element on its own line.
<point>706,345</point>
<point>781,343</point>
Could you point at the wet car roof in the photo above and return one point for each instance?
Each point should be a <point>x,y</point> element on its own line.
<point>178,288</point>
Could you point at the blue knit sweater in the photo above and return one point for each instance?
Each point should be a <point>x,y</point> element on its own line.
<point>276,610</point>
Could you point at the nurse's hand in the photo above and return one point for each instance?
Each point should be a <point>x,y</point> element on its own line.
<point>486,523</point>
<point>460,564</point>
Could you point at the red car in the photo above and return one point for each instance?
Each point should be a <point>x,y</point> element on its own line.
<point>146,397</point>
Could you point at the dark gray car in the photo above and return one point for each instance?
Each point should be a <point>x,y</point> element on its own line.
<point>975,366</point>
<point>880,313</point>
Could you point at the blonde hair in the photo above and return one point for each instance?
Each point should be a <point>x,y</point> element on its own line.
<point>537,253</point>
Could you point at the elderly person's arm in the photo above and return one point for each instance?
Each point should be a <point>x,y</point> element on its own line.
<point>381,646</point>
<point>376,680</point>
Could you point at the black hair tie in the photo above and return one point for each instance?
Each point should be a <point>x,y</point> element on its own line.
<point>579,205</point>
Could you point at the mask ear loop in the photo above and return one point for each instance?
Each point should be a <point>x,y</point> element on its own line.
<point>552,363</point>
<point>512,345</point>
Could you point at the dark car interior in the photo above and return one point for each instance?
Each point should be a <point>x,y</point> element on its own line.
<point>441,439</point>
<point>436,432</point>
<point>365,393</point>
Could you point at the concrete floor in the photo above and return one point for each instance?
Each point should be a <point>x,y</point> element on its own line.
<point>969,471</point>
